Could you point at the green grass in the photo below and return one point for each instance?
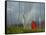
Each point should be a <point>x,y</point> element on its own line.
<point>13,29</point>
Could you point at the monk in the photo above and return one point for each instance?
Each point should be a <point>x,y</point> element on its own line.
<point>34,26</point>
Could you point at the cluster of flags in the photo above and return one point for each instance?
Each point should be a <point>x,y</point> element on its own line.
<point>34,25</point>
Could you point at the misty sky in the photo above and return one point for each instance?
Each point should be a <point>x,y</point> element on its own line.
<point>31,11</point>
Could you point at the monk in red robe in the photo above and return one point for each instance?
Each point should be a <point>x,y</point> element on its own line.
<point>34,25</point>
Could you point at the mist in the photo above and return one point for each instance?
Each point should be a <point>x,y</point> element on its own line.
<point>16,10</point>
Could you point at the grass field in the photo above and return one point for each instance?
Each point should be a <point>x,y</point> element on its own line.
<point>13,30</point>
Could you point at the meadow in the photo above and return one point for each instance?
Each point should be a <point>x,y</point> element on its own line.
<point>15,30</point>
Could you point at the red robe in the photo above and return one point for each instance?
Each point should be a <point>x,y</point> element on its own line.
<point>34,25</point>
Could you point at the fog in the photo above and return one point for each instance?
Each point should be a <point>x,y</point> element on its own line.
<point>30,11</point>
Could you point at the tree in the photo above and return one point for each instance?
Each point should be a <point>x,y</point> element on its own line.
<point>24,21</point>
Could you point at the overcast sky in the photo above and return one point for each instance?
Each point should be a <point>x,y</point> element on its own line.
<point>31,11</point>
